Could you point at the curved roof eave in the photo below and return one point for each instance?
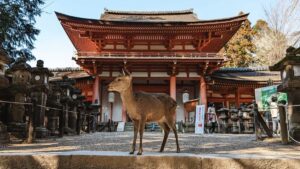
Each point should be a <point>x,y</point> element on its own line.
<point>65,17</point>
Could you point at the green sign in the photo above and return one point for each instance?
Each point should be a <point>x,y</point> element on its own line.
<point>263,97</point>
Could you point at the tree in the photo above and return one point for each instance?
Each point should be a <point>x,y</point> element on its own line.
<point>17,31</point>
<point>239,50</point>
<point>284,30</point>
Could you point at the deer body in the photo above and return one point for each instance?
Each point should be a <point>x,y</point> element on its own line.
<point>146,107</point>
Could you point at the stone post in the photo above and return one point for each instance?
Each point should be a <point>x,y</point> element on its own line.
<point>290,77</point>
<point>54,102</point>
<point>18,89</point>
<point>39,90</point>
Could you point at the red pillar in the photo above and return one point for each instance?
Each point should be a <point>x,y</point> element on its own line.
<point>96,90</point>
<point>203,97</point>
<point>173,89</point>
<point>124,117</point>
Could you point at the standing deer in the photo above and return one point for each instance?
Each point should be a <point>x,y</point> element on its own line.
<point>146,107</point>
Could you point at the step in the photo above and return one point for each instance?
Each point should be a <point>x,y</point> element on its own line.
<point>116,160</point>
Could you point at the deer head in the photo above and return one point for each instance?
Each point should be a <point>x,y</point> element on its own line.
<point>121,83</point>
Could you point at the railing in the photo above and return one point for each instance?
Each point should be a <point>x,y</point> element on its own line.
<point>152,54</point>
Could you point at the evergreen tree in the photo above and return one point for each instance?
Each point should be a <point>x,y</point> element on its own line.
<point>240,49</point>
<point>17,31</point>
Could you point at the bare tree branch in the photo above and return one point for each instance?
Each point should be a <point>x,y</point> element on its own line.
<point>284,30</point>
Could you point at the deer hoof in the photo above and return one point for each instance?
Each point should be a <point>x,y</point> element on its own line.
<point>131,152</point>
<point>139,153</point>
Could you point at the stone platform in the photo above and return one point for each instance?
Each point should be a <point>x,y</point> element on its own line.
<point>121,160</point>
<point>110,150</point>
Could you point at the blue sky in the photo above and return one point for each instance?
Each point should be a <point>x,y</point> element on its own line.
<point>54,47</point>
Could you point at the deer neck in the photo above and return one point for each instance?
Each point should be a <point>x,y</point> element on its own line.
<point>128,99</point>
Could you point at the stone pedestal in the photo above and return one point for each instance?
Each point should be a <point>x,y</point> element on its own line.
<point>294,114</point>
<point>4,137</point>
<point>17,129</point>
<point>41,132</point>
<point>73,119</point>
<point>52,124</point>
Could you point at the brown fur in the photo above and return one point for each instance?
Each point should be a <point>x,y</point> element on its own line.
<point>146,107</point>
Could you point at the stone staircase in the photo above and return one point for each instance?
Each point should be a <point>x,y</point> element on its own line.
<point>128,126</point>
<point>148,128</point>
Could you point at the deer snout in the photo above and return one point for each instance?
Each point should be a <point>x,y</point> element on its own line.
<point>110,87</point>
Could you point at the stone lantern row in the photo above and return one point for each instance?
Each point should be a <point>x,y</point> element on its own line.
<point>33,104</point>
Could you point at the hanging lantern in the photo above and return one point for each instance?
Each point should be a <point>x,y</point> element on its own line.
<point>185,96</point>
<point>111,97</point>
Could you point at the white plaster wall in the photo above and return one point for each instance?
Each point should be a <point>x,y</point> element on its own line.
<point>117,107</point>
<point>159,74</point>
<point>139,74</point>
<point>180,108</point>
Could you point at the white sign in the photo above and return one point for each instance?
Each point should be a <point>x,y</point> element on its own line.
<point>199,122</point>
<point>121,126</point>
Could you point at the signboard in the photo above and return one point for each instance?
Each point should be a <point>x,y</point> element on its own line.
<point>199,122</point>
<point>121,126</point>
<point>263,97</point>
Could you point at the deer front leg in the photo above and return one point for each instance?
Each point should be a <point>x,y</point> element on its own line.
<point>136,127</point>
<point>142,127</point>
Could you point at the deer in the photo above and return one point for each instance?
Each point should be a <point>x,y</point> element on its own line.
<point>145,107</point>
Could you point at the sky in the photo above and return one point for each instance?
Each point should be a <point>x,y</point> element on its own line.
<point>54,47</point>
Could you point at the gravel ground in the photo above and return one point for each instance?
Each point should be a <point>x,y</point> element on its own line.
<point>189,143</point>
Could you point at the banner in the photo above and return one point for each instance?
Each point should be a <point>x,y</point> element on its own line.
<point>199,122</point>
<point>263,97</point>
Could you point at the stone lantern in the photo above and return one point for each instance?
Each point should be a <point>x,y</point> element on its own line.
<point>39,91</point>
<point>4,83</point>
<point>20,72</point>
<point>53,102</point>
<point>185,96</point>
<point>75,93</point>
<point>80,112</point>
<point>289,67</point>
<point>66,85</point>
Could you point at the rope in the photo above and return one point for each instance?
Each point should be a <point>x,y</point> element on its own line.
<point>9,102</point>
<point>48,108</point>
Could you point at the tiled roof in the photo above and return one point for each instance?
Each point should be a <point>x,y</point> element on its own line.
<point>187,11</point>
<point>150,16</point>
<point>241,69</point>
<point>256,74</point>
<point>71,72</point>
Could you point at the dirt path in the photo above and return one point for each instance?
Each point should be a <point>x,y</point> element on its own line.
<point>189,143</point>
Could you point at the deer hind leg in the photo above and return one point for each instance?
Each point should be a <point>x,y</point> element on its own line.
<point>141,129</point>
<point>166,129</point>
<point>136,128</point>
<point>172,125</point>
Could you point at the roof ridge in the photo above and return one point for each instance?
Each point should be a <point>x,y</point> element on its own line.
<point>242,69</point>
<point>185,11</point>
<point>66,69</point>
